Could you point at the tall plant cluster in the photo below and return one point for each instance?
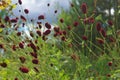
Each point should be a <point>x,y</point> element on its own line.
<point>83,46</point>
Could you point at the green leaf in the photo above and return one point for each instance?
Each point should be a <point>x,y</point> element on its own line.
<point>1,30</point>
<point>109,32</point>
<point>99,17</point>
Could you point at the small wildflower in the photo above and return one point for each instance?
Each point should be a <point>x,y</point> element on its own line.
<point>41,17</point>
<point>23,18</point>
<point>1,46</point>
<point>47,25</point>
<point>7,19</point>
<point>98,26</point>
<point>55,11</point>
<point>32,45</point>
<point>110,22</point>
<point>72,5</point>
<point>56,29</point>
<point>14,47</point>
<point>18,33</point>
<point>31,34</point>
<point>21,45</point>
<point>44,38</point>
<point>103,32</point>
<point>84,38</point>
<point>111,39</point>
<point>61,20</point>
<point>51,64</point>
<point>38,32</point>
<point>22,59</point>
<point>108,75</point>
<point>48,4</point>
<point>64,32</point>
<point>84,8</point>
<point>100,41</point>
<point>24,69</point>
<point>63,38</point>
<point>16,79</point>
<point>3,64</point>
<point>2,26</point>
<point>69,27</point>
<point>110,63</point>
<point>35,61</point>
<point>75,24</point>
<point>47,32</point>
<point>20,2</point>
<point>13,20</point>
<point>26,11</point>
<point>33,54</point>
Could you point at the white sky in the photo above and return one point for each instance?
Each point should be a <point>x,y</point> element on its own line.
<point>38,7</point>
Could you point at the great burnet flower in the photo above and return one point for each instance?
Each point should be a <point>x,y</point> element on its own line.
<point>84,8</point>
<point>4,4</point>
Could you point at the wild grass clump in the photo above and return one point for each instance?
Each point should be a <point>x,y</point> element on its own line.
<point>80,48</point>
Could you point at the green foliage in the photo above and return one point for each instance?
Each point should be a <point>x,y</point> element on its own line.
<point>80,51</point>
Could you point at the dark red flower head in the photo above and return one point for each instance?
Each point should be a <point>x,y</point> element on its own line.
<point>55,11</point>
<point>26,11</point>
<point>61,20</point>
<point>47,32</point>
<point>98,26</point>
<point>47,25</point>
<point>2,26</point>
<point>38,32</point>
<point>14,47</point>
<point>33,54</point>
<point>110,63</point>
<point>18,33</point>
<point>100,41</point>
<point>48,4</point>
<point>103,32</point>
<point>3,64</point>
<point>41,17</point>
<point>21,45</point>
<point>63,38</point>
<point>75,23</point>
<point>84,8</point>
<point>72,5</point>
<point>7,19</point>
<point>16,79</point>
<point>56,29</point>
<point>1,46</point>
<point>64,32</point>
<point>32,45</point>
<point>110,22</point>
<point>22,59</point>
<point>23,18</point>
<point>84,38</point>
<point>35,61</point>
<point>20,2</point>
<point>24,69</point>
<point>13,20</point>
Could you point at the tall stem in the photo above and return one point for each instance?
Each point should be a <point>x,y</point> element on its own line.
<point>116,14</point>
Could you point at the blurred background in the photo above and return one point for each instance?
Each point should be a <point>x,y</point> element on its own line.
<point>38,7</point>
